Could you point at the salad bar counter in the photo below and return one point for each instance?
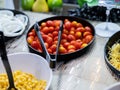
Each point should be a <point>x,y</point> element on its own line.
<point>86,72</point>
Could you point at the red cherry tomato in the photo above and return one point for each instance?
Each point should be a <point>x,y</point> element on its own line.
<point>45,30</point>
<point>71,50</point>
<point>30,39</point>
<point>74,23</point>
<point>56,23</point>
<point>55,33</point>
<point>88,38</point>
<point>78,35</point>
<point>53,47</point>
<point>67,25</point>
<point>63,41</point>
<point>70,37</point>
<point>51,29</point>
<point>71,47</point>
<point>79,25</point>
<point>62,50</point>
<point>49,23</point>
<point>87,28</point>
<point>66,44</point>
<point>35,44</point>
<point>64,36</point>
<point>80,29</point>
<point>49,40</point>
<point>49,50</point>
<point>32,33</point>
<point>45,37</point>
<point>86,33</point>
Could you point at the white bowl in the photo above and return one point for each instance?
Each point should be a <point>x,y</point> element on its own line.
<point>115,86</point>
<point>30,63</point>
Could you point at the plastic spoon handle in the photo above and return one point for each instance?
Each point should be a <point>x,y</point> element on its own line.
<point>5,61</point>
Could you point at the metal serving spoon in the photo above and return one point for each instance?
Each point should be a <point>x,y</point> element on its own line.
<point>5,61</point>
<point>52,61</point>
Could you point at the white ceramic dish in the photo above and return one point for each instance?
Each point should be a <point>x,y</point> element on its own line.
<point>30,63</point>
<point>115,86</point>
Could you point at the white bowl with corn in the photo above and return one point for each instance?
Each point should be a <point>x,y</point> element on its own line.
<point>30,72</point>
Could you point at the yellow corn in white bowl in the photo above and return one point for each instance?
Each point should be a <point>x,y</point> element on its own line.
<point>29,70</point>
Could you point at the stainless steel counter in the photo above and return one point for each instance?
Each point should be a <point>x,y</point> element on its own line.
<point>87,72</point>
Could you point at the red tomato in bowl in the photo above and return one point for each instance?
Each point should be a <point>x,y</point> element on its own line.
<point>74,36</point>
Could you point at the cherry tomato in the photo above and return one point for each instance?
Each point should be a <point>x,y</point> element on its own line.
<point>57,28</point>
<point>73,42</point>
<point>87,28</point>
<point>70,37</point>
<point>71,50</point>
<point>79,25</point>
<point>32,33</point>
<point>84,45</point>
<point>43,24</point>
<point>88,38</point>
<point>78,45</point>
<point>74,23</point>
<point>80,29</point>
<point>45,30</point>
<point>35,44</point>
<point>51,29</point>
<point>72,32</point>
<point>55,42</point>
<point>65,31</point>
<point>30,39</point>
<point>49,40</point>
<point>78,35</point>
<point>68,25</point>
<point>71,47</point>
<point>55,38</point>
<point>55,33</point>
<point>62,50</point>
<point>49,23</point>
<point>66,44</point>
<point>56,23</point>
<point>79,40</point>
<point>86,33</point>
<point>45,37</point>
<point>53,47</point>
<point>50,35</point>
<point>49,50</point>
<point>64,36</point>
<point>63,41</point>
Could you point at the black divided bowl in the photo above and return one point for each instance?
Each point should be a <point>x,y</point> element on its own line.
<point>68,56</point>
<point>112,40</point>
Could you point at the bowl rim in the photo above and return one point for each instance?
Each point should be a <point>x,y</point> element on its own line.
<point>44,60</point>
<point>112,86</point>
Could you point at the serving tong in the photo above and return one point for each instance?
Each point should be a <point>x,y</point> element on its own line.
<point>5,61</point>
<point>52,61</point>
